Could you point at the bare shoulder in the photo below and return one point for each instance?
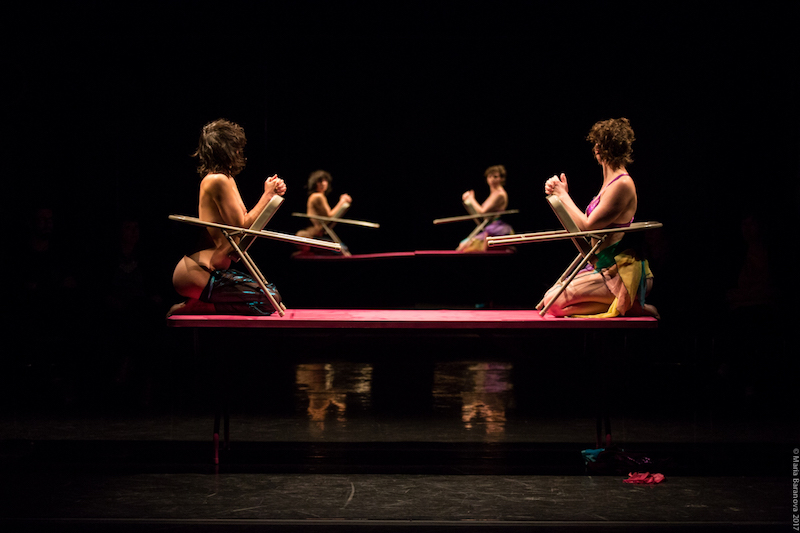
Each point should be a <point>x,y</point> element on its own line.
<point>626,183</point>
<point>622,189</point>
<point>215,183</point>
<point>214,180</point>
<point>316,199</point>
<point>623,196</point>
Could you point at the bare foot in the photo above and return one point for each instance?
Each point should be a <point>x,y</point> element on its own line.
<point>651,310</point>
<point>643,310</point>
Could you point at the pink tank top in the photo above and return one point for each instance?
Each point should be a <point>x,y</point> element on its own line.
<point>596,201</point>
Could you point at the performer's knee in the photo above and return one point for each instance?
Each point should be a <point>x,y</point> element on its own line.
<point>557,305</point>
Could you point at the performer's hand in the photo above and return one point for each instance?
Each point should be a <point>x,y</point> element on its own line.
<point>281,188</point>
<point>468,195</point>
<point>556,185</point>
<point>275,185</point>
<point>346,198</point>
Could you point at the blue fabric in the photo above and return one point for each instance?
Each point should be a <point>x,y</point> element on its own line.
<point>236,293</point>
<point>590,456</point>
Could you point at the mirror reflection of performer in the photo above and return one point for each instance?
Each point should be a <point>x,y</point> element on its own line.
<point>496,201</point>
<point>614,275</point>
<point>205,277</point>
<point>317,381</point>
<point>329,387</point>
<point>319,186</point>
<point>487,395</point>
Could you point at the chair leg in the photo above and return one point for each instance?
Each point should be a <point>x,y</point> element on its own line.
<point>216,437</point>
<point>255,272</point>
<point>562,277</point>
<point>336,239</point>
<point>227,435</point>
<point>564,285</point>
<point>262,281</point>
<point>478,229</point>
<point>572,276</point>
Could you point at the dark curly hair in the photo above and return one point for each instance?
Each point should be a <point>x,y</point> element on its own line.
<point>317,176</point>
<point>221,148</point>
<point>500,170</point>
<point>613,139</point>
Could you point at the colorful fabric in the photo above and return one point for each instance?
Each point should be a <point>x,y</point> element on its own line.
<point>644,478</point>
<point>496,228</point>
<point>625,276</point>
<point>236,293</point>
<point>625,279</point>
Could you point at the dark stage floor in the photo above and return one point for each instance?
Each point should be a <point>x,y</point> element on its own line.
<point>338,442</point>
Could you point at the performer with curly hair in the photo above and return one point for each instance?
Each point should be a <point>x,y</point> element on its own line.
<point>496,201</point>
<point>319,186</point>
<point>205,277</point>
<point>599,288</point>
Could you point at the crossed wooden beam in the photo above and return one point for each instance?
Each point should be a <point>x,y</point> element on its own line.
<point>587,242</point>
<point>248,237</point>
<point>328,223</point>
<point>481,219</point>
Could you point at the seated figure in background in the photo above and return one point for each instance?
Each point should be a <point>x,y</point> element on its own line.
<point>496,201</point>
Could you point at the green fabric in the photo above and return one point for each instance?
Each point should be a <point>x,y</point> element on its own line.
<point>605,258</point>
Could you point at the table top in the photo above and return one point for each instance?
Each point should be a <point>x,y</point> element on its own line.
<point>408,319</point>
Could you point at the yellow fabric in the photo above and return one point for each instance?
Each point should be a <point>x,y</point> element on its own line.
<point>629,271</point>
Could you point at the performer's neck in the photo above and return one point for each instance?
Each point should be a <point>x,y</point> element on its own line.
<point>610,173</point>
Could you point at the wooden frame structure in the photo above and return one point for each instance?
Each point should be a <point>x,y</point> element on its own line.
<point>481,219</point>
<point>248,237</point>
<point>587,243</point>
<point>328,222</point>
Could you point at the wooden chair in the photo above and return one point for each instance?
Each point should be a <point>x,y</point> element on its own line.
<point>248,237</point>
<point>481,219</point>
<point>327,224</point>
<point>587,243</point>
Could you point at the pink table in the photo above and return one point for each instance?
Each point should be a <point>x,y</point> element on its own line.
<point>408,319</point>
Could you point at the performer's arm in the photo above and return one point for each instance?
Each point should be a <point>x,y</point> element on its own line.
<point>491,204</point>
<point>318,205</point>
<point>615,200</point>
<point>221,190</point>
<point>272,186</point>
<point>343,199</point>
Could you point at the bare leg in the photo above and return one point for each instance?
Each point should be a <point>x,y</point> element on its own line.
<point>189,280</point>
<point>587,294</point>
<point>583,308</point>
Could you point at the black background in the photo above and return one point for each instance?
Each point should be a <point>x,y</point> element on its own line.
<point>406,104</point>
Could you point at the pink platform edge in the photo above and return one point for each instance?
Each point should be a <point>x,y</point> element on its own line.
<point>408,319</point>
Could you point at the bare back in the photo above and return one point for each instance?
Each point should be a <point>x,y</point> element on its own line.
<point>219,202</point>
<point>497,201</point>
<point>318,205</point>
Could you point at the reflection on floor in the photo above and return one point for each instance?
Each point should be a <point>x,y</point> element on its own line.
<point>433,440</point>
